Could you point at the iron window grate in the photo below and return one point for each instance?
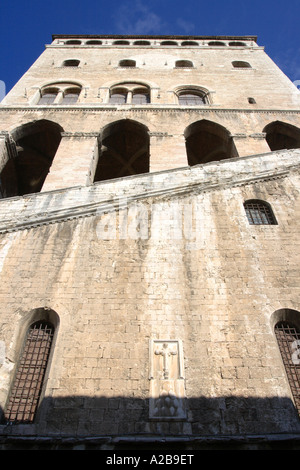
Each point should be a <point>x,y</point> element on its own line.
<point>259,213</point>
<point>288,338</point>
<point>27,386</point>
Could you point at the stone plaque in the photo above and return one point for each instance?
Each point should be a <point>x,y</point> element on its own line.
<point>167,390</point>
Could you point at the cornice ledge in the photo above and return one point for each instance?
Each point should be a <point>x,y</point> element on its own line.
<point>112,204</point>
<point>79,135</point>
<point>160,108</point>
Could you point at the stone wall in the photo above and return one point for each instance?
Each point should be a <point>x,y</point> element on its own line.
<point>206,291</point>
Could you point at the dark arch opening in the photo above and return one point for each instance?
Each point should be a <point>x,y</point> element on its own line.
<point>73,42</point>
<point>94,42</point>
<point>142,43</point>
<point>216,43</point>
<point>237,44</point>
<point>127,63</point>
<point>280,136</point>
<point>240,64</point>
<point>207,141</point>
<point>184,63</point>
<point>169,43</point>
<point>121,43</point>
<point>123,151</point>
<point>71,63</point>
<point>26,171</point>
<point>189,43</point>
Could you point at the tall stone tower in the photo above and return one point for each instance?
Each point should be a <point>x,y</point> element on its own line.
<point>149,246</point>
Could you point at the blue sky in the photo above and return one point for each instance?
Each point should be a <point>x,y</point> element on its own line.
<point>26,26</point>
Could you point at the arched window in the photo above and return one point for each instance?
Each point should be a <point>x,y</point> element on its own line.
<point>121,43</point>
<point>130,93</point>
<point>94,42</point>
<point>169,43</point>
<point>140,97</point>
<point>127,63</point>
<point>280,136</point>
<point>123,150</point>
<point>216,43</point>
<point>191,99</point>
<point>142,43</point>
<point>288,339</point>
<point>73,42</point>
<point>184,63</point>
<point>70,96</point>
<point>240,64</point>
<point>60,93</point>
<point>48,96</point>
<point>207,141</point>
<point>71,63</point>
<point>237,44</point>
<point>118,97</point>
<point>27,386</point>
<point>189,43</point>
<point>259,213</point>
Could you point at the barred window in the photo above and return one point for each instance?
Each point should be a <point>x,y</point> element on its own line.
<point>27,386</point>
<point>288,338</point>
<point>259,213</point>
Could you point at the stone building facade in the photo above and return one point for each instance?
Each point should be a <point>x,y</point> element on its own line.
<point>149,246</point>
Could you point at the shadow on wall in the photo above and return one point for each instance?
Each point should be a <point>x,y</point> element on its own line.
<point>123,423</point>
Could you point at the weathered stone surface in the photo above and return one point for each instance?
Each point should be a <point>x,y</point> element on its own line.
<point>164,256</point>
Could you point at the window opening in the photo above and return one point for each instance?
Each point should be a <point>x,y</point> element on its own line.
<point>27,387</point>
<point>94,42</point>
<point>142,43</point>
<point>70,97</point>
<point>259,213</point>
<point>71,63</point>
<point>140,98</point>
<point>121,43</point>
<point>73,42</point>
<point>169,43</point>
<point>288,338</point>
<point>184,63</point>
<point>191,99</point>
<point>239,64</point>
<point>118,98</point>
<point>131,93</point>
<point>237,44</point>
<point>127,63</point>
<point>216,43</point>
<point>189,43</point>
<point>48,97</point>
